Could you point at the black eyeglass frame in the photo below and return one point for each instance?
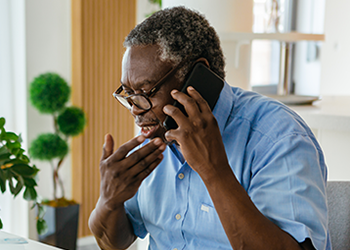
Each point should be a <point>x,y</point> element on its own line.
<point>147,95</point>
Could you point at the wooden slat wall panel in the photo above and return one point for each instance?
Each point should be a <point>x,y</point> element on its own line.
<point>98,30</point>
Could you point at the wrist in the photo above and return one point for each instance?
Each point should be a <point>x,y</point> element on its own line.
<point>108,205</point>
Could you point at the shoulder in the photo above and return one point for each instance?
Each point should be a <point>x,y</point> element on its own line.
<point>266,116</point>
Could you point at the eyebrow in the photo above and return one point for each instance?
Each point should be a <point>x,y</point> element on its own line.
<point>138,85</point>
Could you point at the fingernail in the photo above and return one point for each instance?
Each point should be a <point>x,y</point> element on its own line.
<point>157,141</point>
<point>190,88</point>
<point>140,139</point>
<point>162,147</point>
<point>174,91</point>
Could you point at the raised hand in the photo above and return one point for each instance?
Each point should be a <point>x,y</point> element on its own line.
<point>198,134</point>
<point>122,174</point>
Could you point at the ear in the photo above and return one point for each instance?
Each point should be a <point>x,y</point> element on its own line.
<point>203,60</point>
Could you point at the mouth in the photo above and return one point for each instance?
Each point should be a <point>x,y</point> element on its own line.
<point>149,131</point>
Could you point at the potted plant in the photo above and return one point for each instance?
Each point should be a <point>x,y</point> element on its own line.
<point>49,94</point>
<point>16,170</point>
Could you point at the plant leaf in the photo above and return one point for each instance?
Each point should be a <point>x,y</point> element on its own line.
<point>2,181</point>
<point>15,189</point>
<point>5,156</point>
<point>12,188</point>
<point>1,224</point>
<point>2,122</point>
<point>3,150</point>
<point>11,136</point>
<point>25,158</point>
<point>41,211</point>
<point>13,145</point>
<point>29,182</point>
<point>24,170</point>
<point>16,161</point>
<point>41,226</point>
<point>2,134</point>
<point>30,194</point>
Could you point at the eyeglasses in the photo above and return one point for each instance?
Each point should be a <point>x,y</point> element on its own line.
<point>142,100</point>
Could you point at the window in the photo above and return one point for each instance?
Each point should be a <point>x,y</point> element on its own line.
<point>293,15</point>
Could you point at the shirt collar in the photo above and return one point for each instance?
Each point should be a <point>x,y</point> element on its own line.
<point>224,106</point>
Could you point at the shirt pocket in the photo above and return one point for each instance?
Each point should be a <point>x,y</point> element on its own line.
<point>208,225</point>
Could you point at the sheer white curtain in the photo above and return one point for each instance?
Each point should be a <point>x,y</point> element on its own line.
<point>13,212</point>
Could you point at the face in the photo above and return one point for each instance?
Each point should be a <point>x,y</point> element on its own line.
<point>141,70</point>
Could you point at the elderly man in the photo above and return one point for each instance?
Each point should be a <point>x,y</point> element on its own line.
<point>247,175</point>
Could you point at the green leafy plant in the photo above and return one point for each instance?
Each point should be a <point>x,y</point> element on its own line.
<point>16,170</point>
<point>49,94</point>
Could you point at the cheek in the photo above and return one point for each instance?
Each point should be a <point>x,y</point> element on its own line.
<point>159,103</point>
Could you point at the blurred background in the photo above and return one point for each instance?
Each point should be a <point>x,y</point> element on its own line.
<point>82,41</point>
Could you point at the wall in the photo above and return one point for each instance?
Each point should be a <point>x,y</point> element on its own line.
<point>227,16</point>
<point>335,74</point>
<point>307,72</point>
<point>13,212</point>
<point>48,49</point>
<point>335,88</point>
<point>37,40</point>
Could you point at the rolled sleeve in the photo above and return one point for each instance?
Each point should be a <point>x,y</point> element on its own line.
<point>133,212</point>
<point>288,187</point>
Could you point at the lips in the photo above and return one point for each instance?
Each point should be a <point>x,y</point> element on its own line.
<point>149,131</point>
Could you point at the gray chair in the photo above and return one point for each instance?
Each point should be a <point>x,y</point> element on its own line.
<point>338,197</point>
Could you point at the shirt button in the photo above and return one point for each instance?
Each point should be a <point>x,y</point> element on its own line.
<point>178,216</point>
<point>181,176</point>
<point>175,249</point>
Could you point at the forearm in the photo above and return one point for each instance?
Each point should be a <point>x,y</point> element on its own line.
<point>245,226</point>
<point>112,229</point>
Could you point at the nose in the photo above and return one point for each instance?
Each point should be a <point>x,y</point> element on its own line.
<point>135,111</point>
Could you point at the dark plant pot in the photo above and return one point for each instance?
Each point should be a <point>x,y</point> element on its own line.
<point>62,226</point>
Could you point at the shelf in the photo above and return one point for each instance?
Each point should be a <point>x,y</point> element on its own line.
<point>283,37</point>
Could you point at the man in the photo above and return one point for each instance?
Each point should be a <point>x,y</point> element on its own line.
<point>249,175</point>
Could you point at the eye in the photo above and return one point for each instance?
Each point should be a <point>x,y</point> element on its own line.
<point>128,92</point>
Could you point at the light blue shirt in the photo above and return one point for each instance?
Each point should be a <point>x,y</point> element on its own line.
<point>274,156</point>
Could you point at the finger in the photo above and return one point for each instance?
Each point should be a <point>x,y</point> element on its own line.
<point>188,102</point>
<point>171,135</point>
<point>107,147</point>
<point>145,155</point>
<point>124,149</point>
<point>147,171</point>
<point>201,102</point>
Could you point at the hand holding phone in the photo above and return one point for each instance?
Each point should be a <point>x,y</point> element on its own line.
<point>206,82</point>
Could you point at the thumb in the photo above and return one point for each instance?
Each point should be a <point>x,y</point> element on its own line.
<point>170,135</point>
<point>107,147</point>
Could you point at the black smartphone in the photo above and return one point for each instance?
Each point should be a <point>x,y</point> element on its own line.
<point>206,82</point>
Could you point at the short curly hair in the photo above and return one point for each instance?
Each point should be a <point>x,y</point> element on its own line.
<point>182,34</point>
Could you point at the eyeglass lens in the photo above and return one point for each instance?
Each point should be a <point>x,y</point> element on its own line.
<point>138,100</point>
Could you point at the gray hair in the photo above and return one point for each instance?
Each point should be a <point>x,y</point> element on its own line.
<point>182,34</point>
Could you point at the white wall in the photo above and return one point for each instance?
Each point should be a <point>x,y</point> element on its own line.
<point>227,16</point>
<point>307,75</point>
<point>335,74</point>
<point>36,38</point>
<point>48,49</point>
<point>14,212</point>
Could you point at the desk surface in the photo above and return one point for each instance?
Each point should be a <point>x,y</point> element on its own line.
<point>12,242</point>
<point>331,113</point>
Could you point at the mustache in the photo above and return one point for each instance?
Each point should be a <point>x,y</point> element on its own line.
<point>142,119</point>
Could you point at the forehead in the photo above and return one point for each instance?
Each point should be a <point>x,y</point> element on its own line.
<point>142,65</point>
